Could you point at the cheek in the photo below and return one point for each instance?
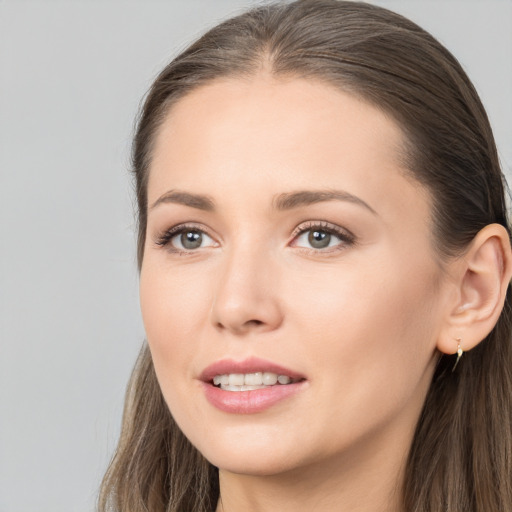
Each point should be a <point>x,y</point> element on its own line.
<point>173,310</point>
<point>369,338</point>
<point>371,324</point>
<point>364,298</point>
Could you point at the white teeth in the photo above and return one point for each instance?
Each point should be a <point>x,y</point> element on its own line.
<point>221,379</point>
<point>249,381</point>
<point>253,379</point>
<point>241,388</point>
<point>236,379</point>
<point>269,378</point>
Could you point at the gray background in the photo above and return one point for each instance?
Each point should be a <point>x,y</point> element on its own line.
<point>71,77</point>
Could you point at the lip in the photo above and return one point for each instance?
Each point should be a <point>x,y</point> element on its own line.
<point>248,402</point>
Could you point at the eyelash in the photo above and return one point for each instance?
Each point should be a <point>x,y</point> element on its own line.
<point>346,237</point>
<point>164,240</point>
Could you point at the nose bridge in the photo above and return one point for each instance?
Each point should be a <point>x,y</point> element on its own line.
<point>246,295</point>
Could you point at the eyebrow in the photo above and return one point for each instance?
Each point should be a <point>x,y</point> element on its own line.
<point>198,201</point>
<point>284,201</point>
<point>290,200</point>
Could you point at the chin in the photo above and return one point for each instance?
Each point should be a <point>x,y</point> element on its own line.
<point>261,457</point>
<point>262,466</point>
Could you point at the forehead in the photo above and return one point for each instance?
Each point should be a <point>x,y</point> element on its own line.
<point>289,134</point>
<point>264,107</point>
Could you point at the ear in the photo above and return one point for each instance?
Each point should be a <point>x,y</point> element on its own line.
<point>482,276</point>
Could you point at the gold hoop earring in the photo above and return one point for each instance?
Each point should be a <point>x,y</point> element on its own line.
<point>459,354</point>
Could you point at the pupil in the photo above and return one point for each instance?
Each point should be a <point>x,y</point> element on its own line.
<point>319,239</point>
<point>191,239</point>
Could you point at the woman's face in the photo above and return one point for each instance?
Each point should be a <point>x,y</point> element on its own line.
<point>284,238</point>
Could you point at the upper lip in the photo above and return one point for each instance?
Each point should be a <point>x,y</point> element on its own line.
<point>250,365</point>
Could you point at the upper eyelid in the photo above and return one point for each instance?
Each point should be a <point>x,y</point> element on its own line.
<point>197,226</point>
<point>321,225</point>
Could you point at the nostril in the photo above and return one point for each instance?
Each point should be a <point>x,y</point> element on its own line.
<point>245,311</point>
<point>245,326</point>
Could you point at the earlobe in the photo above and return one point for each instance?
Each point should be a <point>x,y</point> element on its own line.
<point>482,277</point>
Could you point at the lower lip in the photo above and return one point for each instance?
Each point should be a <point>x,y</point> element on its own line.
<point>249,402</point>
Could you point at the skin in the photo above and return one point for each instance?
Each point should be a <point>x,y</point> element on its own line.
<point>360,319</point>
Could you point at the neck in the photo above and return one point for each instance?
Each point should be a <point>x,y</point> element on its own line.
<point>356,482</point>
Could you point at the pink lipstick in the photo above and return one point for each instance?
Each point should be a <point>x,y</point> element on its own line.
<point>249,386</point>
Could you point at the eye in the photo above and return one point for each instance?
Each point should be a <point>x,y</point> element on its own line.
<point>191,239</point>
<point>185,239</point>
<point>320,236</point>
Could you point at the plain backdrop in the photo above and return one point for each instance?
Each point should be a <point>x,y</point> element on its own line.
<point>72,74</point>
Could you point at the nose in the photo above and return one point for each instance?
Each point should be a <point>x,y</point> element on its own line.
<point>246,298</point>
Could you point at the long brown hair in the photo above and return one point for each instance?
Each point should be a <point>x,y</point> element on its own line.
<point>461,455</point>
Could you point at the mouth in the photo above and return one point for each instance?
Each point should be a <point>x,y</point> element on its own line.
<point>249,386</point>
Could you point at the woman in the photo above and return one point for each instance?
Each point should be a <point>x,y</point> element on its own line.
<point>325,259</point>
